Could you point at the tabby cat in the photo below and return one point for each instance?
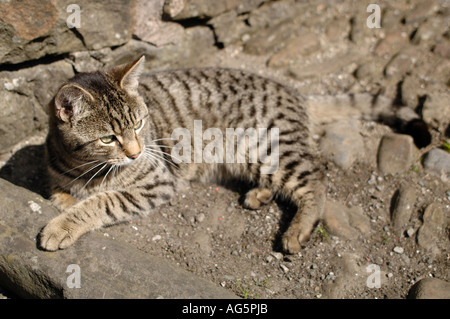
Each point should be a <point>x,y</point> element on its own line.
<point>109,146</point>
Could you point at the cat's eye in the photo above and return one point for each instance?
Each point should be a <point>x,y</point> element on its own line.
<point>138,125</point>
<point>107,139</point>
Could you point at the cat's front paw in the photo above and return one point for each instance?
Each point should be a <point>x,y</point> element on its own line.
<point>59,233</point>
<point>257,197</point>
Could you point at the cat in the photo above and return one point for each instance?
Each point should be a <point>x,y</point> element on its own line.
<point>110,148</point>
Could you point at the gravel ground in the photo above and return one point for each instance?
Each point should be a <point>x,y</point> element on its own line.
<point>207,232</point>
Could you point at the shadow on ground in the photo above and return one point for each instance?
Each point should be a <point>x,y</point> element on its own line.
<point>27,169</point>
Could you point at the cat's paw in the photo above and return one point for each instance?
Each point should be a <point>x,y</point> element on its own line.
<point>293,240</point>
<point>59,233</point>
<point>257,197</point>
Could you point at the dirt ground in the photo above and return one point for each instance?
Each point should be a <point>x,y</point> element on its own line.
<point>206,231</point>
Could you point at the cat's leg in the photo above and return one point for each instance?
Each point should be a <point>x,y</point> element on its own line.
<point>100,210</point>
<point>298,178</point>
<point>257,197</point>
<point>310,201</point>
<point>63,200</point>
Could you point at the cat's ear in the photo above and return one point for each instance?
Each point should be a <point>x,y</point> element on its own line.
<point>68,101</point>
<point>127,75</point>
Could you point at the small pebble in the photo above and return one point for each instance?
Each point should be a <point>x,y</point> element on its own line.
<point>398,250</point>
<point>405,258</point>
<point>200,217</point>
<point>285,269</point>
<point>410,232</point>
<point>156,237</point>
<point>277,255</point>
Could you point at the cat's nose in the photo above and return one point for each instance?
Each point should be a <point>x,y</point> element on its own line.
<point>134,156</point>
<point>132,150</point>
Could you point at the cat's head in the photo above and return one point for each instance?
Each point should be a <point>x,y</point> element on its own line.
<point>100,115</point>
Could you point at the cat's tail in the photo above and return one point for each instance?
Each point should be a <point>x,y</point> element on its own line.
<point>326,109</point>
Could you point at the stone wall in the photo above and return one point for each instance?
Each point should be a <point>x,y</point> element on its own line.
<point>311,43</point>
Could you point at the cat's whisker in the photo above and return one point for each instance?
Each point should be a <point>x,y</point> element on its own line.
<point>90,169</point>
<point>112,166</point>
<point>162,139</point>
<point>100,169</point>
<point>160,145</point>
<point>151,152</point>
<point>154,160</point>
<point>80,166</point>
<point>159,151</point>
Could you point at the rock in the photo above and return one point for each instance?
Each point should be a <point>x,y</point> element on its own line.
<point>135,48</point>
<point>24,98</point>
<point>398,250</point>
<point>396,153</point>
<point>228,28</point>
<point>353,273</point>
<point>97,30</point>
<point>31,30</point>
<point>196,44</point>
<point>410,232</point>
<point>187,9</point>
<point>270,39</point>
<point>320,68</point>
<point>102,263</point>
<point>436,108</point>
<point>411,91</point>
<point>442,49</point>
<point>392,43</point>
<point>304,44</point>
<point>284,268</point>
<point>431,230</point>
<point>371,71</point>
<point>338,29</point>
<point>84,62</point>
<point>429,32</point>
<point>359,32</point>
<point>430,288</point>
<point>344,221</point>
<point>342,143</point>
<point>150,27</point>
<point>437,162</point>
<point>401,64</point>
<point>156,238</point>
<point>277,255</point>
<point>402,207</point>
<point>421,11</point>
<point>272,13</point>
<point>200,217</point>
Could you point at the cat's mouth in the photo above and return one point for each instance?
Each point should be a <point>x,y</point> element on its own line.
<point>129,161</point>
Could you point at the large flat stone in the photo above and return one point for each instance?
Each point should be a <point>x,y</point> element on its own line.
<point>107,268</point>
<point>24,96</point>
<point>34,29</point>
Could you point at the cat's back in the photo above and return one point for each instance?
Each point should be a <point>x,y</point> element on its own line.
<point>231,96</point>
